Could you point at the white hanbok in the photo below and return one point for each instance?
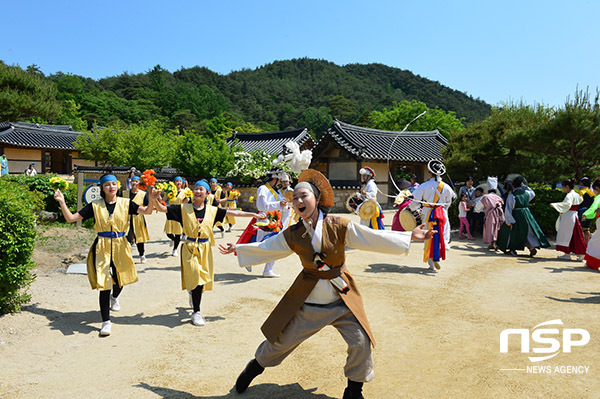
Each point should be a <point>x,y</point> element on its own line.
<point>569,236</point>
<point>426,192</point>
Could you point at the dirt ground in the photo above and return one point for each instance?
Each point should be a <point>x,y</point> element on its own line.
<point>437,334</point>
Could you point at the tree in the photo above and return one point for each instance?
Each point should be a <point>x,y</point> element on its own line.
<point>26,95</point>
<point>317,120</point>
<point>202,156</point>
<point>69,115</point>
<point>342,108</point>
<point>403,112</point>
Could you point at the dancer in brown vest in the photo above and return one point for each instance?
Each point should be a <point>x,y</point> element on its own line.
<point>324,293</point>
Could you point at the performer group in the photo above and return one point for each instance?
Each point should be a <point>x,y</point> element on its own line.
<point>297,220</point>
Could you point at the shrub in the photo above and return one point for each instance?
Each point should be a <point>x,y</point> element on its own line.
<point>41,185</point>
<point>17,223</point>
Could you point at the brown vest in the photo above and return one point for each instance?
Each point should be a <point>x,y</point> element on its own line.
<point>334,241</point>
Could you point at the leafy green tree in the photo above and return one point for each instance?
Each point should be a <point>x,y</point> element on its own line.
<point>26,95</point>
<point>403,112</point>
<point>69,115</point>
<point>342,108</point>
<point>202,156</point>
<point>317,120</point>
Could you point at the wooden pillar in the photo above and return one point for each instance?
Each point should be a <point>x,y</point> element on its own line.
<point>80,183</point>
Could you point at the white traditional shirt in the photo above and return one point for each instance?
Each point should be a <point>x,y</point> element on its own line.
<point>266,201</point>
<point>426,192</point>
<point>371,190</point>
<point>572,198</point>
<point>357,237</point>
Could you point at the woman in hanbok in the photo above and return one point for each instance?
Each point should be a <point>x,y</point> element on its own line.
<point>520,229</point>
<point>491,203</point>
<point>138,230</point>
<point>109,263</point>
<point>197,220</point>
<point>324,293</point>
<point>230,204</point>
<point>592,256</point>
<point>569,238</point>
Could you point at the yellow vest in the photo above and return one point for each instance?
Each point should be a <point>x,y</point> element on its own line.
<point>230,204</point>
<point>172,226</point>
<point>140,230</point>
<point>217,195</point>
<point>106,249</point>
<point>196,257</point>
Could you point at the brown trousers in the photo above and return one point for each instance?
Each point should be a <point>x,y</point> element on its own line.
<point>311,319</point>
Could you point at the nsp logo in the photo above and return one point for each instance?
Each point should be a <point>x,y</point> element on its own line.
<point>570,337</point>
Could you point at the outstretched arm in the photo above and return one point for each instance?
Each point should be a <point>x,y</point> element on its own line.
<point>272,249</point>
<point>69,217</point>
<point>242,214</point>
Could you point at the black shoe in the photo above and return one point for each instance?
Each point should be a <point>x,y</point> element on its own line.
<point>353,390</point>
<point>250,372</point>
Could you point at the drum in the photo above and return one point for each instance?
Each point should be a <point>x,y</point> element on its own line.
<point>407,220</point>
<point>368,209</point>
<point>289,196</point>
<point>353,202</point>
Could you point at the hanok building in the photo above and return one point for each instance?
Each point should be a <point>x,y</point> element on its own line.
<point>345,149</point>
<point>272,142</point>
<point>50,147</point>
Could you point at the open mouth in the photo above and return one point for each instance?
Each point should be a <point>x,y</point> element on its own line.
<point>301,209</point>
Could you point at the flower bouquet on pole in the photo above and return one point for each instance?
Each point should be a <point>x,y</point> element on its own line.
<point>58,183</point>
<point>147,179</point>
<point>170,189</point>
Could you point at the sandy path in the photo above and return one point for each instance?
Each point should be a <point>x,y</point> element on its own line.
<point>438,334</point>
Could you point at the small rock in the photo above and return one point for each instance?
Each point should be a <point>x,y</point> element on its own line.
<point>48,216</point>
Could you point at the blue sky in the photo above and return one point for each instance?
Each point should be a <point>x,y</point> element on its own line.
<point>537,51</point>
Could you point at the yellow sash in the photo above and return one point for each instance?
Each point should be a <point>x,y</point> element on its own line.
<point>196,257</point>
<point>116,249</point>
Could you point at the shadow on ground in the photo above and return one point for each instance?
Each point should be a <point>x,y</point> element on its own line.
<point>271,391</point>
<point>389,268</point>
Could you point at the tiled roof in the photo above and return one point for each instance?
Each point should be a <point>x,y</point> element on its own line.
<point>33,135</point>
<point>383,144</point>
<point>271,142</point>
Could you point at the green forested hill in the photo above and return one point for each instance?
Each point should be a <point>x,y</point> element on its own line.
<point>279,95</point>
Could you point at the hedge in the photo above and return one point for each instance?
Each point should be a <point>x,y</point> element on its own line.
<point>18,208</point>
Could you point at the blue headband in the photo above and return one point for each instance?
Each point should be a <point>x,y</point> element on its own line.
<point>230,183</point>
<point>106,178</point>
<point>213,179</point>
<point>202,183</point>
<point>177,178</point>
<point>135,178</point>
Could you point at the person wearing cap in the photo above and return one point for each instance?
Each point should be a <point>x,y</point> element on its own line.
<point>173,229</point>
<point>413,183</point>
<point>324,293</point>
<point>31,171</point>
<point>520,229</point>
<point>434,197</point>
<point>230,204</point>
<point>269,199</point>
<point>109,263</point>
<point>369,192</point>
<point>3,165</point>
<point>218,198</point>
<point>491,204</point>
<point>197,220</point>
<point>138,231</point>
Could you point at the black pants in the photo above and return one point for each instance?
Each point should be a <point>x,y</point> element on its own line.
<point>176,238</point>
<point>131,239</point>
<point>197,297</point>
<point>105,295</point>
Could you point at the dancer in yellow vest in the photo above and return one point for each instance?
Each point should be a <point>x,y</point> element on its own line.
<point>172,228</point>
<point>324,293</point>
<point>197,220</point>
<point>138,231</point>
<point>109,262</point>
<point>230,204</point>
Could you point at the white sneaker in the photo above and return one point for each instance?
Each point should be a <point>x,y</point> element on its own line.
<point>564,257</point>
<point>114,304</point>
<point>175,252</point>
<point>143,259</point>
<point>197,319</point>
<point>270,274</point>
<point>580,257</point>
<point>106,327</point>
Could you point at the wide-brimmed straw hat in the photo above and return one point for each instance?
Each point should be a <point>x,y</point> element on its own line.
<point>315,177</point>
